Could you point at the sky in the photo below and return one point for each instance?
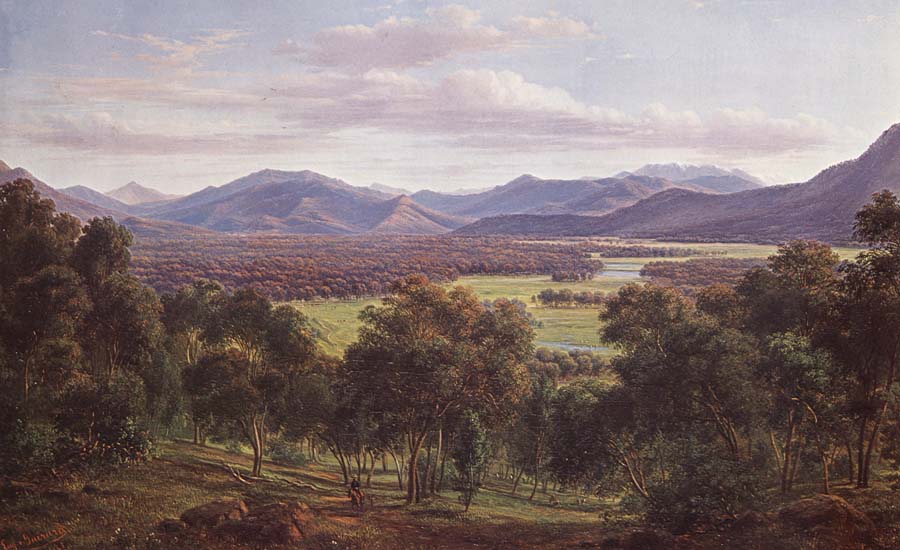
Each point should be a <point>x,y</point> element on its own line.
<point>424,94</point>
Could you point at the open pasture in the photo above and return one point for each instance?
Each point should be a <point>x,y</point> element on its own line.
<point>337,323</point>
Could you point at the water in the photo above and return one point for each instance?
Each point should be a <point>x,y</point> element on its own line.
<point>620,271</point>
<point>566,346</point>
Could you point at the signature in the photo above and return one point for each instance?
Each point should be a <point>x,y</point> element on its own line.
<point>51,538</point>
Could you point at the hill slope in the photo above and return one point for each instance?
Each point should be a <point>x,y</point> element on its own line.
<point>79,208</point>
<point>528,194</point>
<point>95,197</point>
<point>301,202</point>
<point>822,208</point>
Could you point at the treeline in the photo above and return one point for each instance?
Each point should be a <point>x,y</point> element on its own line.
<point>290,267</point>
<point>645,251</point>
<point>567,298</point>
<point>691,275</point>
<point>568,365</point>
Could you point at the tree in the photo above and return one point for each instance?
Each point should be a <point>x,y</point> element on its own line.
<point>867,339</point>
<point>101,252</point>
<point>428,351</point>
<point>122,330</point>
<point>189,316</point>
<point>267,347</point>
<point>44,313</point>
<point>470,456</point>
<point>532,429</point>
<point>802,381</point>
<point>32,234</point>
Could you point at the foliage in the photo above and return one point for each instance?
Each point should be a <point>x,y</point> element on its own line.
<point>470,455</point>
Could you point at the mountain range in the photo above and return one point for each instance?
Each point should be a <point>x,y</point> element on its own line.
<point>655,201</point>
<point>822,208</point>
<point>305,202</point>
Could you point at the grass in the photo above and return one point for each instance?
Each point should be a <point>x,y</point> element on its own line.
<point>134,499</point>
<point>337,324</point>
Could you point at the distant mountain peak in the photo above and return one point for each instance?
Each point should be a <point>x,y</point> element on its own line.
<point>676,171</point>
<point>134,193</point>
<point>524,178</point>
<point>4,167</point>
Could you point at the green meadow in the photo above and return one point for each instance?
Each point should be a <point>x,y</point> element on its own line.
<point>337,320</point>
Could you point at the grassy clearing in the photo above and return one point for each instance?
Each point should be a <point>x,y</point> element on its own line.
<point>337,321</point>
<point>133,500</point>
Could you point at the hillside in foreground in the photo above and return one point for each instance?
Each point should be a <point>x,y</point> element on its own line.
<point>138,507</point>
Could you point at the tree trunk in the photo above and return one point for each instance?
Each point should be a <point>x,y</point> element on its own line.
<point>196,433</point>
<point>825,480</point>
<point>860,451</point>
<point>371,469</point>
<point>444,453</point>
<point>423,485</point>
<point>518,477</point>
<point>873,442</point>
<point>437,455</point>
<point>787,453</point>
<point>399,470</point>
<point>412,488</point>
<point>850,461</point>
<point>25,382</point>
<point>534,487</point>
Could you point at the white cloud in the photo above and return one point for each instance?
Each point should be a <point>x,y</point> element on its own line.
<point>550,27</point>
<point>174,55</point>
<point>398,42</point>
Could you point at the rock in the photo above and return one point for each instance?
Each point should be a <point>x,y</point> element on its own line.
<point>277,523</point>
<point>829,517</point>
<point>58,494</point>
<point>640,540</point>
<point>13,489</point>
<point>171,526</point>
<point>212,514</point>
<point>752,520</point>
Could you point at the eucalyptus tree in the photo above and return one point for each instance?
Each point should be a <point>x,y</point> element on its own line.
<point>427,351</point>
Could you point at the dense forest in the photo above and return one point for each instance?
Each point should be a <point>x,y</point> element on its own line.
<point>692,275</point>
<point>306,267</point>
<point>713,399</point>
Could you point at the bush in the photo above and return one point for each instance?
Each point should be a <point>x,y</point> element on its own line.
<point>28,448</point>
<point>702,485</point>
<point>285,452</point>
<point>102,418</point>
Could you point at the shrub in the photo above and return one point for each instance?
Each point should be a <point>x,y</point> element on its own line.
<point>285,452</point>
<point>28,448</point>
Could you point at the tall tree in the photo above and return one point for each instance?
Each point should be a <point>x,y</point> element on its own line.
<point>428,351</point>
<point>867,335</point>
<point>44,313</point>
<point>268,346</point>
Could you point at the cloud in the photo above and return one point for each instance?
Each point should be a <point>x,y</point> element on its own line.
<point>474,108</point>
<point>101,132</point>
<point>399,42</point>
<point>175,55</point>
<point>501,109</point>
<point>550,27</point>
<point>871,19</point>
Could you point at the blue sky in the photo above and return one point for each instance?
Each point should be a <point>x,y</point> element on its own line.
<point>440,95</point>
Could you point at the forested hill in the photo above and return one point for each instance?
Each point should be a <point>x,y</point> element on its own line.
<point>821,208</point>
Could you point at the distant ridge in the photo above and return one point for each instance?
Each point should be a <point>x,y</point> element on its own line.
<point>821,208</point>
<point>95,197</point>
